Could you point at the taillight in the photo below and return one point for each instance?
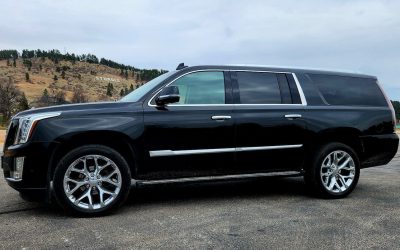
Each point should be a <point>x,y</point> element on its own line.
<point>390,106</point>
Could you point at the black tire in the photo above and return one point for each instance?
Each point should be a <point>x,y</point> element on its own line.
<point>71,157</point>
<point>313,174</point>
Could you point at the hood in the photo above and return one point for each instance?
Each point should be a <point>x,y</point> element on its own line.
<point>86,108</point>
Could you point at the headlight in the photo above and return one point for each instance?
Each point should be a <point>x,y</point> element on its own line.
<point>28,123</point>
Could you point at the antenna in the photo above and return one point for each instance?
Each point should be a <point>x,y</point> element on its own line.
<point>181,66</point>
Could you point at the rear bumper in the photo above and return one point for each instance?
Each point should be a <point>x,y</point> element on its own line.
<point>378,149</point>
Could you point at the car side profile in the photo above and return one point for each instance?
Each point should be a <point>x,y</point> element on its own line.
<point>204,123</point>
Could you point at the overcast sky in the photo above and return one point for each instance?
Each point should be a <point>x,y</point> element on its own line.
<point>361,36</point>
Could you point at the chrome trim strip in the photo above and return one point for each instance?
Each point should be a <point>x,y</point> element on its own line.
<point>302,97</point>
<point>241,149</point>
<point>159,153</point>
<point>300,89</point>
<point>211,178</point>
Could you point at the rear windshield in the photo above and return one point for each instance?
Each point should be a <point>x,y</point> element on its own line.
<point>349,91</point>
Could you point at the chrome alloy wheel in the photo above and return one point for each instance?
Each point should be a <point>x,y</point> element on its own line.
<point>92,182</point>
<point>338,171</point>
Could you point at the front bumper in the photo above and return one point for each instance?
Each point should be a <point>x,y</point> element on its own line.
<point>36,157</point>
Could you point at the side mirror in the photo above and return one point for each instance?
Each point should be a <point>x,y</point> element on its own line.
<point>168,95</point>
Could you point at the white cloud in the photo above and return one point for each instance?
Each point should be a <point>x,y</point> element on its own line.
<point>354,35</point>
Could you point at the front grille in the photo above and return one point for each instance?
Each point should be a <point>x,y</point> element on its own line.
<point>11,133</point>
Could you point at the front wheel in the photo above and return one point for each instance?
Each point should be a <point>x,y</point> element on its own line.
<point>91,180</point>
<point>334,171</point>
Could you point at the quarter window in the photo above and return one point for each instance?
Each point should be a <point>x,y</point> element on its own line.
<point>352,91</point>
<point>201,88</point>
<point>258,88</point>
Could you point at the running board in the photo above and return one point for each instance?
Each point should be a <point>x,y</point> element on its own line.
<point>216,178</point>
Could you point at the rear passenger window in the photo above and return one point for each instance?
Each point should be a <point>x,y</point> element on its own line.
<point>258,88</point>
<point>351,91</point>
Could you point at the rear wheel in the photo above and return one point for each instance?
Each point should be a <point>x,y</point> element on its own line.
<point>92,180</point>
<point>334,171</point>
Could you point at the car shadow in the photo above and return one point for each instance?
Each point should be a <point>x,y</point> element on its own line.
<point>162,194</point>
<point>186,192</point>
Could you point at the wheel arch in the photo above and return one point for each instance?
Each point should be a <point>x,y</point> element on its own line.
<point>347,136</point>
<point>115,140</point>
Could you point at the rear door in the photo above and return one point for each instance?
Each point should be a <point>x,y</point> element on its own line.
<point>269,126</point>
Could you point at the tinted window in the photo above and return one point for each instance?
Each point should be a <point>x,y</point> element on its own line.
<point>258,88</point>
<point>201,88</point>
<point>344,90</point>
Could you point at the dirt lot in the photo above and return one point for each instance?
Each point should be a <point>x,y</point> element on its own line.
<point>263,214</point>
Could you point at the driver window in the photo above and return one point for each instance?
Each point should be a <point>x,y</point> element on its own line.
<point>201,88</point>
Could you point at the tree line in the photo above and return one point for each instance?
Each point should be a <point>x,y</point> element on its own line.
<point>56,56</point>
<point>396,106</point>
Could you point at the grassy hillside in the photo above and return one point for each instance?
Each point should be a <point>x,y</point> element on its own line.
<point>94,78</point>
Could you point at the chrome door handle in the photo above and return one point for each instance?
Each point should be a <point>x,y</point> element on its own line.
<point>221,117</point>
<point>292,116</point>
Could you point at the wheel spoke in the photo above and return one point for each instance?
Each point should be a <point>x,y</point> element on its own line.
<point>75,181</point>
<point>343,181</point>
<point>76,188</point>
<point>110,181</point>
<point>333,182</point>
<point>85,167</point>
<point>344,164</point>
<point>107,192</point>
<point>82,197</point>
<point>112,173</point>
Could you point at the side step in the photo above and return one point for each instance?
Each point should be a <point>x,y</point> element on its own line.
<point>216,178</point>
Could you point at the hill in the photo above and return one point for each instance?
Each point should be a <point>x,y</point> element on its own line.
<point>34,71</point>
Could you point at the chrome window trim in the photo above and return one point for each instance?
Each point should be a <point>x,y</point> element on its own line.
<point>299,89</point>
<point>160,153</point>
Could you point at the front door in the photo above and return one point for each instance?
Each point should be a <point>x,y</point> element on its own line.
<point>194,137</point>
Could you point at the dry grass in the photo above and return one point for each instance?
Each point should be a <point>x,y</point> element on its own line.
<point>82,73</point>
<point>2,136</point>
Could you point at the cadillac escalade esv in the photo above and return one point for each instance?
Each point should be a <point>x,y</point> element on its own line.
<point>204,123</point>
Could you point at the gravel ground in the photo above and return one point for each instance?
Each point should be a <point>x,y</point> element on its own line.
<point>267,213</point>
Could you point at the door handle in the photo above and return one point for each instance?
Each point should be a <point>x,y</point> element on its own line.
<point>221,117</point>
<point>293,116</point>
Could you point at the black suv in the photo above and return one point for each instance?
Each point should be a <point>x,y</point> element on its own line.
<point>204,123</point>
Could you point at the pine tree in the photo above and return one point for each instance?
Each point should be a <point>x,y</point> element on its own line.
<point>23,102</point>
<point>110,89</point>
<point>131,88</point>
<point>8,62</point>
<point>27,76</point>
<point>55,78</point>
<point>63,74</point>
<point>126,90</point>
<point>122,93</point>
<point>126,74</point>
<point>45,98</point>
<point>14,63</point>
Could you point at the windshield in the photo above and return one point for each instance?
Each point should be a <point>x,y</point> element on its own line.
<point>138,93</point>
